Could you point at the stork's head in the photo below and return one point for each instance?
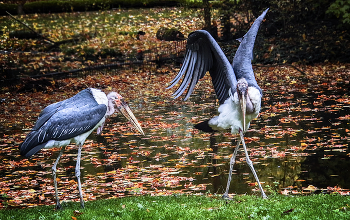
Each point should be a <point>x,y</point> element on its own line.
<point>242,92</point>
<point>114,99</point>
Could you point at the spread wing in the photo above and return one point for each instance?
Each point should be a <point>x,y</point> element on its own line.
<point>204,54</point>
<point>242,65</point>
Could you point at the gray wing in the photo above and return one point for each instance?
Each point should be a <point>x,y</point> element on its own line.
<point>242,65</point>
<point>46,114</point>
<point>81,99</point>
<point>204,54</point>
<point>71,118</point>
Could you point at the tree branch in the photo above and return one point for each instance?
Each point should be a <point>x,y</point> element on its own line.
<point>29,28</point>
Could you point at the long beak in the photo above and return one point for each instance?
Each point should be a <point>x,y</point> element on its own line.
<point>243,102</point>
<point>125,110</point>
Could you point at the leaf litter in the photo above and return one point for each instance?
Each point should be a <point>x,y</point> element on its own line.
<point>301,116</point>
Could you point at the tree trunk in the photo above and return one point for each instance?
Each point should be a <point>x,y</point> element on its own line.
<point>225,22</point>
<point>207,15</point>
<point>20,10</point>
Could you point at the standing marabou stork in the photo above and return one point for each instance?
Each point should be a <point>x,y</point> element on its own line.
<point>73,120</point>
<point>235,85</point>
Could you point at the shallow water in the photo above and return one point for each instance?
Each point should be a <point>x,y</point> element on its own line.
<point>301,138</point>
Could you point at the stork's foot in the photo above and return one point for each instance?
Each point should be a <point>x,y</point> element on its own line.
<point>82,205</point>
<point>264,196</point>
<point>226,197</point>
<point>58,206</point>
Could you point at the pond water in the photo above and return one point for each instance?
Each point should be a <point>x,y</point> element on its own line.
<point>301,138</point>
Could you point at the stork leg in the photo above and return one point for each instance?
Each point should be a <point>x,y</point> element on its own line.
<point>232,162</point>
<point>77,174</point>
<point>250,164</point>
<point>54,168</point>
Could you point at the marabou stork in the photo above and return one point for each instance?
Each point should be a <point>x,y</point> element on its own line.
<point>73,120</point>
<point>235,85</point>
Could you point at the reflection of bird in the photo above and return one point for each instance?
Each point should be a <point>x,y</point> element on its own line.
<point>73,120</point>
<point>235,85</point>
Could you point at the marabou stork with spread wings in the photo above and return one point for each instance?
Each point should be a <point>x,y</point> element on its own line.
<point>73,120</point>
<point>235,86</point>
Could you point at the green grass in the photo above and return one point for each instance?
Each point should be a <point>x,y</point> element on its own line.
<point>195,207</point>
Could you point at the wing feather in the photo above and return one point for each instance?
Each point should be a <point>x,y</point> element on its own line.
<point>204,54</point>
<point>182,70</point>
<point>64,120</point>
<point>244,55</point>
<point>187,76</point>
<point>64,125</point>
<point>46,114</point>
<point>220,88</point>
<point>196,74</point>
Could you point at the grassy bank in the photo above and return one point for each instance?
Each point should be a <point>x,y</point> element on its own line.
<point>195,207</point>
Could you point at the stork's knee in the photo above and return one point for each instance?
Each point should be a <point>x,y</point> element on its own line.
<point>249,162</point>
<point>77,173</point>
<point>232,161</point>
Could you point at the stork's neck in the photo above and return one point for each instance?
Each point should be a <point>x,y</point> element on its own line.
<point>110,107</point>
